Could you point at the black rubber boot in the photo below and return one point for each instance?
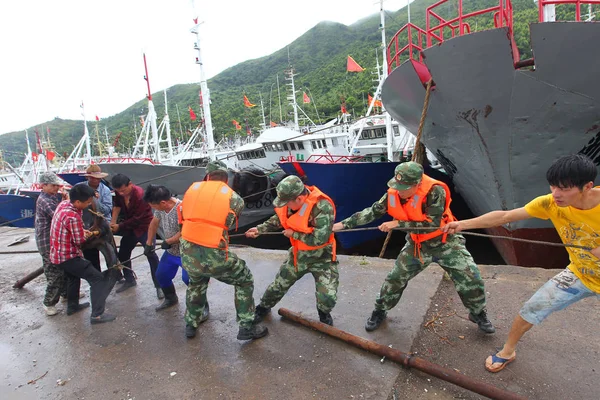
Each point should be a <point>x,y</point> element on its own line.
<point>255,332</point>
<point>325,318</point>
<point>171,298</point>
<point>376,318</point>
<point>190,331</point>
<point>482,321</point>
<point>260,313</point>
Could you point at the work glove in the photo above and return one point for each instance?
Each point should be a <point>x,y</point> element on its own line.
<point>148,249</point>
<point>165,246</point>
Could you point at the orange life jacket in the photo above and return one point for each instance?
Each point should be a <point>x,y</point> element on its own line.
<point>412,210</point>
<point>299,222</point>
<point>203,213</point>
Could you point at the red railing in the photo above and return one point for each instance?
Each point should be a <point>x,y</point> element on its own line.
<point>410,30</point>
<point>457,26</point>
<point>578,3</point>
<point>503,16</point>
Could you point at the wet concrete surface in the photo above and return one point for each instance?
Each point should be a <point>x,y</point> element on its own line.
<point>559,359</point>
<point>136,356</point>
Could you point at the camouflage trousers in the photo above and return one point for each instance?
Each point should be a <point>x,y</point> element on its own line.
<point>203,263</point>
<point>56,281</point>
<point>452,256</point>
<point>323,270</point>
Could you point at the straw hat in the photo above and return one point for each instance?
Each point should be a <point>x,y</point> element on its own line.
<point>94,171</point>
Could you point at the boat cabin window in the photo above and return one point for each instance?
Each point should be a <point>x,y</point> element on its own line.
<point>319,145</point>
<point>324,143</point>
<point>279,147</point>
<point>380,132</point>
<point>292,146</point>
<point>334,142</point>
<point>312,143</point>
<point>285,146</point>
<point>396,129</point>
<point>300,146</point>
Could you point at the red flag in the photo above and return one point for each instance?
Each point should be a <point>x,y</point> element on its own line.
<point>344,108</point>
<point>97,118</point>
<point>247,102</point>
<point>236,124</point>
<point>192,113</point>
<point>305,98</point>
<point>377,103</point>
<point>273,124</point>
<point>352,66</point>
<point>34,156</point>
<point>50,155</point>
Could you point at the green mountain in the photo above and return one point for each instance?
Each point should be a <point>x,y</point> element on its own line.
<point>319,59</point>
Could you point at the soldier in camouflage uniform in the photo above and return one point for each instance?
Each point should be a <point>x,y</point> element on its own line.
<point>447,251</point>
<point>203,262</point>
<point>312,251</point>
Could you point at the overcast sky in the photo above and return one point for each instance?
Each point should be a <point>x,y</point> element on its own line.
<point>57,53</point>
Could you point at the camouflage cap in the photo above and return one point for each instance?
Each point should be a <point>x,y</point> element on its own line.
<point>215,165</point>
<point>406,175</point>
<point>49,178</point>
<point>288,189</point>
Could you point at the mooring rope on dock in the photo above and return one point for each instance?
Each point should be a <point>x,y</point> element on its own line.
<point>459,233</point>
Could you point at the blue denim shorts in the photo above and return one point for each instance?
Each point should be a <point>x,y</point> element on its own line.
<point>557,294</point>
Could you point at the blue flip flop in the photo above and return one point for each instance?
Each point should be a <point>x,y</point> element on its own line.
<point>504,361</point>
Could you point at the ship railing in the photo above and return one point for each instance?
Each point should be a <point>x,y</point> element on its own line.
<point>126,160</point>
<point>412,49</point>
<point>437,26</point>
<point>332,159</point>
<point>438,29</point>
<point>577,3</point>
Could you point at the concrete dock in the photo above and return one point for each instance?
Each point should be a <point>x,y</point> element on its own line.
<point>145,355</point>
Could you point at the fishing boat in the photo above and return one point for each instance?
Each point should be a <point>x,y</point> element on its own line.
<point>494,121</point>
<point>356,176</point>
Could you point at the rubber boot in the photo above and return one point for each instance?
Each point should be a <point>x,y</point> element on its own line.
<point>171,298</point>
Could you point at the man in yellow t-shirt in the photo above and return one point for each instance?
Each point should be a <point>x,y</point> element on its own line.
<point>574,208</point>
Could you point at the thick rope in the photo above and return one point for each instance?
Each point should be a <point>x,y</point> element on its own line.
<point>419,154</point>
<point>576,246</point>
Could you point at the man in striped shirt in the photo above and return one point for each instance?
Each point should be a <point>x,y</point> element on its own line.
<point>66,237</point>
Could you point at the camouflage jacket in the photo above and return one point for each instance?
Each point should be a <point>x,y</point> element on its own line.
<point>321,219</point>
<point>433,207</point>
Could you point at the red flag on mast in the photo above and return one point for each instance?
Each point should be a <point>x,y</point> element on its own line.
<point>192,113</point>
<point>305,98</point>
<point>97,118</point>
<point>352,66</point>
<point>236,124</point>
<point>247,102</point>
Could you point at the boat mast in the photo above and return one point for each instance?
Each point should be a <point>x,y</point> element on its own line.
<point>205,93</point>
<point>86,135</point>
<point>262,109</point>
<point>151,118</point>
<point>290,77</point>
<point>279,95</point>
<point>384,74</point>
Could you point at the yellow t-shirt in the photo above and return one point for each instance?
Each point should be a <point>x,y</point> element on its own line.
<point>574,226</point>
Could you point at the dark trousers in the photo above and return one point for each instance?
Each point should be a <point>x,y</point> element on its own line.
<point>93,256</point>
<point>100,283</point>
<point>128,243</point>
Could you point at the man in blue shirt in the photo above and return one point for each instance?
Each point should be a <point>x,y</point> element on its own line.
<point>103,203</point>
